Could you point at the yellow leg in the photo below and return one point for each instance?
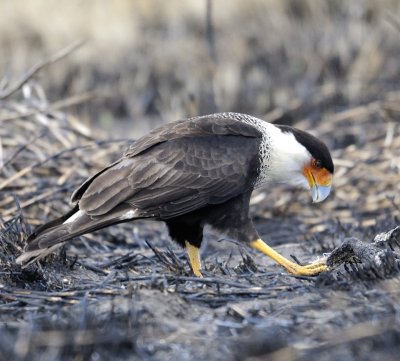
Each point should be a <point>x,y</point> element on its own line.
<point>311,269</point>
<point>194,258</point>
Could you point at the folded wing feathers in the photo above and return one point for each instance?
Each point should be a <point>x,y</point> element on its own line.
<point>159,177</point>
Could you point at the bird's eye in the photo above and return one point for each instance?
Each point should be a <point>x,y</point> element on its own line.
<point>317,163</point>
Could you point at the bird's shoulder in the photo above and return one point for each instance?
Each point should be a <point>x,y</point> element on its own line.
<point>218,124</point>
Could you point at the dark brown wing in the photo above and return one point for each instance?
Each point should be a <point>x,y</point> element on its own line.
<point>176,177</point>
<point>205,170</point>
<point>199,126</point>
<point>170,174</point>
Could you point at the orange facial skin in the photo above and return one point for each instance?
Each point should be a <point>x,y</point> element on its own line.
<point>317,175</point>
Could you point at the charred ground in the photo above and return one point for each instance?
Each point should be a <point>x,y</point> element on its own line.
<point>126,293</point>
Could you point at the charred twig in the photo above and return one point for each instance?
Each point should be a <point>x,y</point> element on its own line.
<point>212,50</point>
<point>365,260</point>
<point>391,238</point>
<point>29,168</point>
<point>20,149</point>
<point>39,66</point>
<point>91,267</point>
<point>171,262</point>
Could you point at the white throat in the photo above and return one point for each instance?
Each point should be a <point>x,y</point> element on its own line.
<point>283,158</point>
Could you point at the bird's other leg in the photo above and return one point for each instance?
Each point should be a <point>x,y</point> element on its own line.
<point>249,235</point>
<point>237,224</point>
<point>193,253</point>
<point>311,269</point>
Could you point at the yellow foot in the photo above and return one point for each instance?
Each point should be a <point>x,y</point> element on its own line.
<point>194,258</point>
<point>311,269</point>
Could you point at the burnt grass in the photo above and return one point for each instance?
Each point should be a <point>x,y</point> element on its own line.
<point>128,300</point>
<point>127,292</point>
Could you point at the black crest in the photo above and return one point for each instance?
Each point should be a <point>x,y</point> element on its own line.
<point>317,148</point>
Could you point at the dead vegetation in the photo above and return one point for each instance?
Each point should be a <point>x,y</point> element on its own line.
<point>126,293</point>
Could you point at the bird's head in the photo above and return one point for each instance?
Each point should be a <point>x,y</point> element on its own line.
<point>305,160</point>
<point>319,179</point>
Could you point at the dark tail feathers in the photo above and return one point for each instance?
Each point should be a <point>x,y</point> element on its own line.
<point>45,239</point>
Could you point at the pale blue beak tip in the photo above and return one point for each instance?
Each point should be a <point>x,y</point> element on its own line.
<point>319,193</point>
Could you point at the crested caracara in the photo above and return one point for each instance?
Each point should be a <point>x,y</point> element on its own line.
<point>191,173</point>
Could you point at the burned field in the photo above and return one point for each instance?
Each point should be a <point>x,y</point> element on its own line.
<point>127,292</point>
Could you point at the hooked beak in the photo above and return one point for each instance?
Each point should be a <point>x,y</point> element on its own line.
<point>320,181</point>
<point>319,193</point>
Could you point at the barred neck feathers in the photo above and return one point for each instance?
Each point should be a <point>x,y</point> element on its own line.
<point>281,155</point>
<point>286,160</point>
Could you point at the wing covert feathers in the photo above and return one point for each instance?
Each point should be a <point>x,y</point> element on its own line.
<point>209,125</point>
<point>200,160</point>
<point>173,170</point>
<point>176,177</point>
